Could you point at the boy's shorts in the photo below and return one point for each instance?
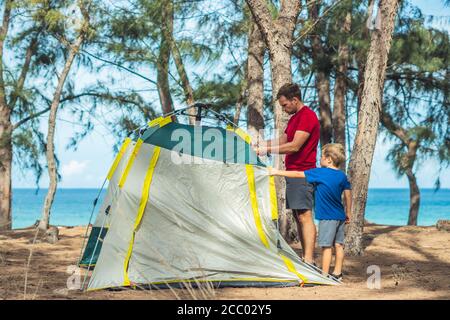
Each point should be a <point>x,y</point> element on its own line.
<point>331,232</point>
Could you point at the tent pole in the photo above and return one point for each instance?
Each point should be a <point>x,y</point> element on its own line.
<point>278,234</point>
<point>178,110</point>
<point>201,106</point>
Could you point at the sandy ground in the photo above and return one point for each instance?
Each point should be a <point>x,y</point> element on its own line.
<point>414,263</point>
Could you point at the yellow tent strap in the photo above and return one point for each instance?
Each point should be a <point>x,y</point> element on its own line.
<point>244,135</point>
<point>290,265</point>
<point>241,133</point>
<point>119,156</point>
<point>273,198</point>
<point>161,121</point>
<point>154,122</point>
<point>254,203</point>
<point>165,121</point>
<point>137,146</point>
<point>142,205</point>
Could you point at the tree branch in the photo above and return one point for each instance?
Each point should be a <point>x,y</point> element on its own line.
<point>30,117</point>
<point>25,68</point>
<point>120,66</point>
<point>393,128</point>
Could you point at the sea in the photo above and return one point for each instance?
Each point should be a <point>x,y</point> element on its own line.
<point>73,207</point>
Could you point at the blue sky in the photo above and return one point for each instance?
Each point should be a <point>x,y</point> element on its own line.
<point>87,167</point>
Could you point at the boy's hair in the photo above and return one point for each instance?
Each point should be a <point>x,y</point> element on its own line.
<point>290,91</point>
<point>336,152</point>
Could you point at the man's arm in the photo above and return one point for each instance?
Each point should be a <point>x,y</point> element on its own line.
<point>348,205</point>
<point>300,138</point>
<point>289,174</point>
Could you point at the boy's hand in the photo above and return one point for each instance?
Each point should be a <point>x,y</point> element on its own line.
<point>273,171</point>
<point>347,219</point>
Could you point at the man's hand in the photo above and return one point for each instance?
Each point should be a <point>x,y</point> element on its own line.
<point>261,151</point>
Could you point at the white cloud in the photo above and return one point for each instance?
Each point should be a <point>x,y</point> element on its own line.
<point>73,167</point>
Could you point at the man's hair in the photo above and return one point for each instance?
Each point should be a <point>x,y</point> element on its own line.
<point>336,152</point>
<point>290,91</point>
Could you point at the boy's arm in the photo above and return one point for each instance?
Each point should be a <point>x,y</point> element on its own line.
<point>289,174</point>
<point>348,205</point>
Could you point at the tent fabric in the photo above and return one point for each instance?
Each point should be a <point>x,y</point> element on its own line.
<point>103,219</point>
<point>200,138</point>
<point>201,220</point>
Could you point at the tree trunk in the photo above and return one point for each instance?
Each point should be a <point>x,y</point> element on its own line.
<point>5,132</point>
<point>162,67</point>
<point>5,167</point>
<point>279,64</point>
<point>322,79</point>
<point>359,93</point>
<point>50,152</point>
<point>277,35</point>
<point>368,119</point>
<point>185,83</point>
<point>406,163</point>
<point>255,83</point>
<point>241,100</point>
<point>178,59</point>
<point>340,87</point>
<point>414,192</point>
<point>323,89</point>
<point>6,127</point>
<point>414,198</point>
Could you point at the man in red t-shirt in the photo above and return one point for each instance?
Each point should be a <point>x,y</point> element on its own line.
<point>299,143</point>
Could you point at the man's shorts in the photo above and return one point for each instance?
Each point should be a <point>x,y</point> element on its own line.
<point>331,232</point>
<point>299,194</point>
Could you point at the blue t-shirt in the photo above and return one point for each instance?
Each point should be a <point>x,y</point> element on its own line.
<point>328,187</point>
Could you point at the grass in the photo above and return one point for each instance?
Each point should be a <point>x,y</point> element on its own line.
<point>27,268</point>
<point>196,288</point>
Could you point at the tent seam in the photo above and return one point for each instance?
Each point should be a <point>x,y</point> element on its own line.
<point>142,205</point>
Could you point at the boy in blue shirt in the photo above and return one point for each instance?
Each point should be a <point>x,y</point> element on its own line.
<point>329,184</point>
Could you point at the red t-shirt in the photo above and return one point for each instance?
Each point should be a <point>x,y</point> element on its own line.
<point>305,158</point>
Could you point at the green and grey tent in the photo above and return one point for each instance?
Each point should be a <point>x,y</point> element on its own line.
<point>191,204</point>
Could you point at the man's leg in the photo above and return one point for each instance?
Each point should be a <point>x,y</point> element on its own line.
<point>326,259</point>
<point>308,232</point>
<point>299,230</point>
<point>339,258</point>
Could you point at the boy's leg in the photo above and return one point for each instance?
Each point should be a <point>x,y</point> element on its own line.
<point>339,258</point>
<point>326,259</point>
<point>327,234</point>
<point>308,232</point>
<point>339,246</point>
